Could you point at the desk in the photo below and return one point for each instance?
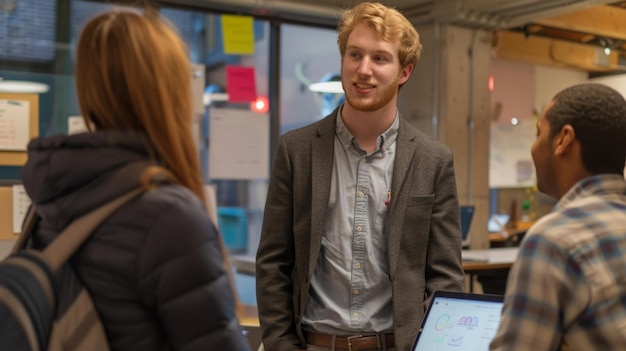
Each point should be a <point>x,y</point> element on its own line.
<point>475,261</point>
<point>498,239</point>
<point>249,320</point>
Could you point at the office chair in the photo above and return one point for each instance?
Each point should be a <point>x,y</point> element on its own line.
<point>515,238</point>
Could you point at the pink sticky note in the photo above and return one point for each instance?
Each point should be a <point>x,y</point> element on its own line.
<point>240,84</point>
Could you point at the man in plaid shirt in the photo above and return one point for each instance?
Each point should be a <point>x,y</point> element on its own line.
<point>567,288</point>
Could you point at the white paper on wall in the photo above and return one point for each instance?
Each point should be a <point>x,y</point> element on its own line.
<point>21,201</point>
<point>76,124</point>
<point>14,125</point>
<point>239,143</point>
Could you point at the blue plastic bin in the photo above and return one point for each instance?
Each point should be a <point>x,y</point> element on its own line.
<point>233,223</point>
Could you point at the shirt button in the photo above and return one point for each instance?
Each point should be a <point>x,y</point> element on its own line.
<point>357,265</point>
<point>363,160</point>
<point>358,229</point>
<point>355,315</point>
<point>361,194</point>
<point>356,291</point>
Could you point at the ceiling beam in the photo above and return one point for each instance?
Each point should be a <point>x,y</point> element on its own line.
<point>515,46</point>
<point>604,21</point>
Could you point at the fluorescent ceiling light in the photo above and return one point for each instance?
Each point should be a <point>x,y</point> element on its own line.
<point>18,86</point>
<point>327,87</point>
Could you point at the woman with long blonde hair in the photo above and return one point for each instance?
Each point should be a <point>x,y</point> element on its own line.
<point>154,268</point>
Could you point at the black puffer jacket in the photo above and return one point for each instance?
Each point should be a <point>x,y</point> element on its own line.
<point>154,267</point>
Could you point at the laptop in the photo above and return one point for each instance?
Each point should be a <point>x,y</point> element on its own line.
<point>497,222</point>
<point>459,321</point>
<point>467,213</point>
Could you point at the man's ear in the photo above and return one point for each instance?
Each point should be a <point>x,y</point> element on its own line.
<point>405,74</point>
<point>564,140</point>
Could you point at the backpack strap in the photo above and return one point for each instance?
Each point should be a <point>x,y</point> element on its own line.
<point>73,236</point>
<point>28,227</point>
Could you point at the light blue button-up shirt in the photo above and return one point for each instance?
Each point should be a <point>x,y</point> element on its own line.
<point>350,289</point>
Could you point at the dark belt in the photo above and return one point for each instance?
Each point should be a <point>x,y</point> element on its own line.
<point>351,342</point>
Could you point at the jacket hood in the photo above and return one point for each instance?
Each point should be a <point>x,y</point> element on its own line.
<point>67,176</point>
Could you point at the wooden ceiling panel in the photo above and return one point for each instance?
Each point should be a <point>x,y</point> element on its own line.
<point>605,21</point>
<point>515,46</point>
<point>575,40</point>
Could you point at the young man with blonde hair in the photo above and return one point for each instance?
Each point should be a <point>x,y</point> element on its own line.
<point>362,219</point>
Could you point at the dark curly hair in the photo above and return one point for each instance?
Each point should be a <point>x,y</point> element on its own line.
<point>598,115</point>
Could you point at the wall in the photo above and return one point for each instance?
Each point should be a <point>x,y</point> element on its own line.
<point>448,98</point>
<point>416,100</point>
<point>548,82</point>
<point>551,80</point>
<point>616,82</point>
<point>512,99</point>
<point>465,117</point>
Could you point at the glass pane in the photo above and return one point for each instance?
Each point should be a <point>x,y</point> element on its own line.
<point>27,29</point>
<point>302,65</point>
<point>240,202</point>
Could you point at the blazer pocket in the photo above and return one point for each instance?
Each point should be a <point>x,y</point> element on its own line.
<point>426,200</point>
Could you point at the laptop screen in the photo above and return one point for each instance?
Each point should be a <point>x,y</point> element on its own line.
<point>497,222</point>
<point>459,321</point>
<point>467,213</point>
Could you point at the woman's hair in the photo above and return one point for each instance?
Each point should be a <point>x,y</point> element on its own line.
<point>388,22</point>
<point>133,73</point>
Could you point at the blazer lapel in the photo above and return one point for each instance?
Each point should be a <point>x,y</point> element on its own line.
<point>322,156</point>
<point>406,146</point>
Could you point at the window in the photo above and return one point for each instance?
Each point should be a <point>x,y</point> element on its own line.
<point>28,28</point>
<point>302,65</point>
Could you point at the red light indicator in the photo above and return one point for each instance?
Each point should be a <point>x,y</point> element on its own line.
<point>260,105</point>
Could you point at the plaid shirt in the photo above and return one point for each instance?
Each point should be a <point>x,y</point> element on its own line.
<point>568,285</point>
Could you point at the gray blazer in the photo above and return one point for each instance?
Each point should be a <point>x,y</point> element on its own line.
<point>423,230</point>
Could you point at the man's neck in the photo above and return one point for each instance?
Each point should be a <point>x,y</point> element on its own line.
<point>366,126</point>
<point>569,173</point>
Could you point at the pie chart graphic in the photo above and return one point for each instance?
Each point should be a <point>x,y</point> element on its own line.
<point>442,322</point>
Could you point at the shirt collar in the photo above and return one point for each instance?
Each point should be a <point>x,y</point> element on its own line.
<point>384,141</point>
<point>594,185</point>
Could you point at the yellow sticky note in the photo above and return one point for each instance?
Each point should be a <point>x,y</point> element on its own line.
<point>238,32</point>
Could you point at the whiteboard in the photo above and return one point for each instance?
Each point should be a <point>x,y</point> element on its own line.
<point>510,161</point>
